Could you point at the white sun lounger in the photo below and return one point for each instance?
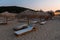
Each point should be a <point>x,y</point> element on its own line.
<point>43,22</point>
<point>29,28</point>
<point>19,27</point>
<point>34,22</point>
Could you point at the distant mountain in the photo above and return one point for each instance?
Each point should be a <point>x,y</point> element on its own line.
<point>13,9</point>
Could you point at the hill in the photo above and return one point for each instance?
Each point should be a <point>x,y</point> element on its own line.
<point>13,9</point>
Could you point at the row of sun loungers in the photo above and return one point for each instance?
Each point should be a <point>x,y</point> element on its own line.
<point>18,30</point>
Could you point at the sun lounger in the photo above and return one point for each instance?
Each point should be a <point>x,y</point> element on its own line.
<point>29,28</point>
<point>43,22</point>
<point>20,27</point>
<point>2,23</point>
<point>34,22</point>
<point>22,20</point>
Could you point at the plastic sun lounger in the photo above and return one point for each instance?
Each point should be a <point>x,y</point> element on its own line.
<point>19,27</point>
<point>3,23</point>
<point>29,28</point>
<point>43,22</point>
<point>21,20</point>
<point>34,21</point>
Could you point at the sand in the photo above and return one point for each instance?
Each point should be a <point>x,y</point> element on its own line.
<point>48,31</point>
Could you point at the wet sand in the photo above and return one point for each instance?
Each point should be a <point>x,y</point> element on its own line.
<point>48,31</point>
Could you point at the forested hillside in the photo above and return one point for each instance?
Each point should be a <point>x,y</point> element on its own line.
<point>12,9</point>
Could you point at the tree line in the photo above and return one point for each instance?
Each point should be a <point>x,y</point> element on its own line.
<point>12,9</point>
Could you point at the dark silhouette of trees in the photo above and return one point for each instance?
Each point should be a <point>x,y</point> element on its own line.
<point>12,9</point>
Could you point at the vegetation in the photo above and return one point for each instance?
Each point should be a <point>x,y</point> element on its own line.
<point>12,9</point>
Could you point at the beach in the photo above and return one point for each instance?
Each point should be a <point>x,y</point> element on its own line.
<point>48,31</point>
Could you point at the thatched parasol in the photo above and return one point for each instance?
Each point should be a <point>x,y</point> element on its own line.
<point>8,15</point>
<point>27,13</point>
<point>42,14</point>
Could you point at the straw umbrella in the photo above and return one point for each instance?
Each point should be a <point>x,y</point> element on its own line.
<point>9,15</point>
<point>51,14</point>
<point>42,15</point>
<point>27,14</point>
<point>5,17</point>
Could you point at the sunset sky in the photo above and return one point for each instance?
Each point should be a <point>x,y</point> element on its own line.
<point>33,4</point>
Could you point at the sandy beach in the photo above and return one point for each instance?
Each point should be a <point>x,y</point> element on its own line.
<point>48,31</point>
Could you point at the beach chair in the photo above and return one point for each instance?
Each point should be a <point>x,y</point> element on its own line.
<point>34,22</point>
<point>43,21</point>
<point>3,23</point>
<point>19,27</point>
<point>22,31</point>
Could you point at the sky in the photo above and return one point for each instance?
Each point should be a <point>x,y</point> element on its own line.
<point>33,4</point>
